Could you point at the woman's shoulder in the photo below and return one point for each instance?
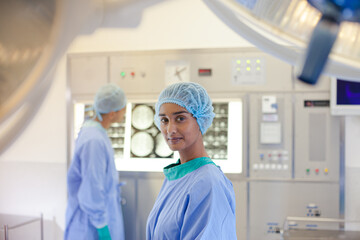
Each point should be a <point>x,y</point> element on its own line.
<point>210,175</point>
<point>208,181</point>
<point>210,171</point>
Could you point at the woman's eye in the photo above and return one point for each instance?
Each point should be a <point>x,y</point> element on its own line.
<point>180,118</point>
<point>163,120</point>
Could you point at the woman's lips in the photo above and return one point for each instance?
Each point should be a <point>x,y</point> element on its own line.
<point>174,140</point>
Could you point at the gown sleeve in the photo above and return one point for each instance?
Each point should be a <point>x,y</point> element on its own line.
<point>210,212</point>
<point>93,190</point>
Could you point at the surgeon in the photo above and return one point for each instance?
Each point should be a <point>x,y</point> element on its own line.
<point>196,200</point>
<point>94,210</point>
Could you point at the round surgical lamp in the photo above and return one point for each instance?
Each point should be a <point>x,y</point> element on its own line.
<point>323,37</point>
<point>300,32</point>
<point>34,34</point>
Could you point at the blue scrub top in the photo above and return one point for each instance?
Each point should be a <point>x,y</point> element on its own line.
<point>93,189</point>
<point>196,201</point>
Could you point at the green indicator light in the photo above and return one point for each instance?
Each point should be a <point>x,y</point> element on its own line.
<point>308,170</point>
<point>248,69</point>
<point>123,74</point>
<point>248,61</point>
<point>238,61</point>
<point>258,61</point>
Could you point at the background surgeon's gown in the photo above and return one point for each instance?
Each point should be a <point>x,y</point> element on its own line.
<point>93,192</point>
<point>196,201</point>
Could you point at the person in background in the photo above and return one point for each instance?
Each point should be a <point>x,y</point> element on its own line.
<point>196,200</point>
<point>94,210</point>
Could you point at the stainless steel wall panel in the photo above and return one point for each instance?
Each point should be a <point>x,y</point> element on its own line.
<point>241,207</point>
<point>144,71</point>
<point>148,190</point>
<point>87,73</point>
<point>148,70</point>
<point>129,205</point>
<point>316,139</point>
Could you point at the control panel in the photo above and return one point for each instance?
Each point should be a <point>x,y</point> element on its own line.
<point>270,136</point>
<point>312,210</point>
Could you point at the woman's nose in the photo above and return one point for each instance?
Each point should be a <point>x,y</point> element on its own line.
<point>171,128</point>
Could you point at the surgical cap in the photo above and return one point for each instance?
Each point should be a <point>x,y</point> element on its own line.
<point>191,96</point>
<point>109,98</point>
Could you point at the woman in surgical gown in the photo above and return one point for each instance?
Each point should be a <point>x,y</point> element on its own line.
<point>196,200</point>
<point>94,210</point>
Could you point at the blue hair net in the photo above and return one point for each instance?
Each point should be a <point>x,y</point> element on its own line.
<point>191,96</point>
<point>109,98</point>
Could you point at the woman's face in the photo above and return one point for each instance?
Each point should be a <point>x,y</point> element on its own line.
<point>179,128</point>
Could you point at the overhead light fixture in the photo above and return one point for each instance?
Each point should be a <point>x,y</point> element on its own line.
<point>334,13</point>
<point>283,29</point>
<point>34,34</point>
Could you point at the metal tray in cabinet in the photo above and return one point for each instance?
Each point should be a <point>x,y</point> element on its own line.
<point>142,144</point>
<point>310,228</point>
<point>142,117</point>
<point>162,149</point>
<point>302,234</point>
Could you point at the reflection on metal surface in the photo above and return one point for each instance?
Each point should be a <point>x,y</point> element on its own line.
<point>142,117</point>
<point>142,121</point>
<point>127,140</point>
<point>89,112</point>
<point>147,150</point>
<point>142,144</point>
<point>116,131</point>
<point>216,137</point>
<point>314,228</point>
<point>320,235</point>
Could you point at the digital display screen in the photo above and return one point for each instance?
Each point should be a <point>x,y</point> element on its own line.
<point>347,92</point>
<point>316,103</point>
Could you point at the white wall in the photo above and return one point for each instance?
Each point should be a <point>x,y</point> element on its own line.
<point>166,25</point>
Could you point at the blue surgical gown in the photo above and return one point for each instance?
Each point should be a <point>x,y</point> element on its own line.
<point>93,191</point>
<point>196,201</point>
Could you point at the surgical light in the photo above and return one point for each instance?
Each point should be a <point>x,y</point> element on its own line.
<point>283,29</point>
<point>334,12</point>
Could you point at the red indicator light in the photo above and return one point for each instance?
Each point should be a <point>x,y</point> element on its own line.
<point>205,72</point>
<point>317,170</point>
<point>132,74</point>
